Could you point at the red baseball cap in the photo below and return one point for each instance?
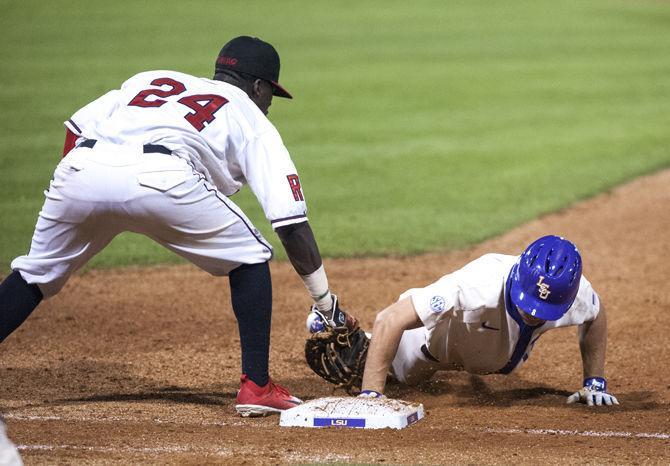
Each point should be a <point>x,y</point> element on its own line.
<point>254,57</point>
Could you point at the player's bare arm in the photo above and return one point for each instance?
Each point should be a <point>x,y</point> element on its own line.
<point>386,334</point>
<point>300,245</point>
<point>593,345</point>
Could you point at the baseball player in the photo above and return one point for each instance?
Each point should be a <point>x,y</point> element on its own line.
<point>9,455</point>
<point>486,317</point>
<point>161,156</point>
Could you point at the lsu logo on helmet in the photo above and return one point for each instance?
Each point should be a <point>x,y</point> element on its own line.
<point>542,288</point>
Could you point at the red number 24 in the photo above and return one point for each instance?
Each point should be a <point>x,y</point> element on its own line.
<point>204,106</point>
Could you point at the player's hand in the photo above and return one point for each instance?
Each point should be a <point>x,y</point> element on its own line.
<point>334,317</point>
<point>594,393</point>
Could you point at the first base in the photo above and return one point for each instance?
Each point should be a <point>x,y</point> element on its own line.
<point>356,412</point>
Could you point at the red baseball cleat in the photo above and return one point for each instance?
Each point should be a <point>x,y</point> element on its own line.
<point>253,400</point>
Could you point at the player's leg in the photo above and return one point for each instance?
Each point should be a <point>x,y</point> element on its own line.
<point>68,233</point>
<point>410,365</point>
<point>197,222</point>
<point>18,299</point>
<point>222,241</point>
<point>200,224</point>
<point>251,296</point>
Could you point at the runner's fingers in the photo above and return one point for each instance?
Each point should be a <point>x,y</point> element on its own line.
<point>573,398</point>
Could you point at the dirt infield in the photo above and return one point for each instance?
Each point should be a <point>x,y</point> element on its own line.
<point>142,365</point>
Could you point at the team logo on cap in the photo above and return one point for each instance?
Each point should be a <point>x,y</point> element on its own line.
<point>437,304</point>
<point>542,288</point>
<point>226,61</point>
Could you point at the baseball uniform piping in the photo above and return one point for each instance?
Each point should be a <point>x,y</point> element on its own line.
<point>74,125</point>
<point>216,192</point>
<point>287,218</point>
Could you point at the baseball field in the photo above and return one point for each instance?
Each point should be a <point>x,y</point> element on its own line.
<point>425,134</point>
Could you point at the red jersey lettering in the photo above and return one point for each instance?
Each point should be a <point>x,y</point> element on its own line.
<point>294,183</point>
<point>204,106</point>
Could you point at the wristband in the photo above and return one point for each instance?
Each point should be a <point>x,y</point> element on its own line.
<point>325,303</point>
<point>597,384</point>
<point>370,394</point>
<point>317,286</point>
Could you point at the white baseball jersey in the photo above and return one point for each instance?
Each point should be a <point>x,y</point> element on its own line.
<point>214,140</point>
<point>470,324</point>
<point>212,124</point>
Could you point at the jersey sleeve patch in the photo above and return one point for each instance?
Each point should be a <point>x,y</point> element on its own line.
<point>437,304</point>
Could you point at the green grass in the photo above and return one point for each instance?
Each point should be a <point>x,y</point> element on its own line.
<point>415,126</point>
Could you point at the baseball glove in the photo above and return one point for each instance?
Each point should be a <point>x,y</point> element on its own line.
<point>337,354</point>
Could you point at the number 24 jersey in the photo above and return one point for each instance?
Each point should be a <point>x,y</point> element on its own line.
<point>213,124</point>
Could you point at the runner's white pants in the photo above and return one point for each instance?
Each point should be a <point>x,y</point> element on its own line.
<point>410,365</point>
<point>100,192</point>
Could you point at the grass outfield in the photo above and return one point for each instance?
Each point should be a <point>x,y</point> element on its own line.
<point>415,125</point>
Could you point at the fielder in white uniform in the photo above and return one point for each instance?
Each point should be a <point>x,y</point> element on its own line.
<point>9,455</point>
<point>161,156</point>
<point>486,318</point>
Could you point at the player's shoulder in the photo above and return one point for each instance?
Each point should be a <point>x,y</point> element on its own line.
<point>154,74</point>
<point>166,77</point>
<point>485,272</point>
<point>484,275</point>
<point>586,294</point>
<point>247,114</point>
<point>584,308</point>
<point>491,262</point>
<point>497,258</point>
<point>239,108</point>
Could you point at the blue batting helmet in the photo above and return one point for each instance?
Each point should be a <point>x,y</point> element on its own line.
<point>546,279</point>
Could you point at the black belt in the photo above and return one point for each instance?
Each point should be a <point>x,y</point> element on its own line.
<point>426,353</point>
<point>147,148</point>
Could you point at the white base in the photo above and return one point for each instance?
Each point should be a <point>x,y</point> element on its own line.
<point>356,412</point>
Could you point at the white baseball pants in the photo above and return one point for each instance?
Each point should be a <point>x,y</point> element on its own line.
<point>100,192</point>
<point>410,365</point>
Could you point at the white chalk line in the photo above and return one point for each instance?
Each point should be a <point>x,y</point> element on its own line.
<point>291,457</point>
<point>174,449</point>
<point>491,430</point>
<point>125,449</point>
<point>116,419</point>
<point>580,433</point>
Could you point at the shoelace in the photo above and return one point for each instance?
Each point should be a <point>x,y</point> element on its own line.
<point>280,389</point>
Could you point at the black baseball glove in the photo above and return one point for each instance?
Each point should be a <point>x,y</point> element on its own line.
<point>337,354</point>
